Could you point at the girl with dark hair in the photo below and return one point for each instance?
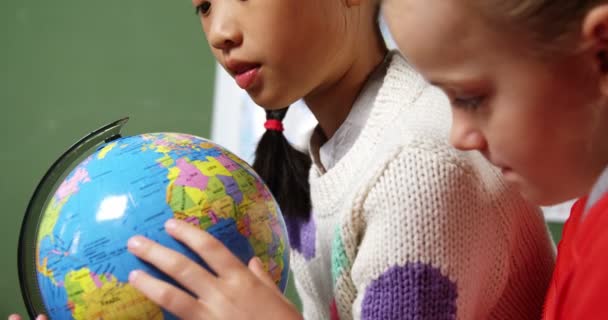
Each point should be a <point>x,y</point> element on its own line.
<point>389,222</point>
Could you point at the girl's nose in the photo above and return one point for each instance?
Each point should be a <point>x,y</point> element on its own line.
<point>465,135</point>
<point>224,33</point>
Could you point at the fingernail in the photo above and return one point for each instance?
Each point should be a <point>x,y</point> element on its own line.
<point>133,275</point>
<point>256,262</point>
<point>134,242</point>
<point>170,224</point>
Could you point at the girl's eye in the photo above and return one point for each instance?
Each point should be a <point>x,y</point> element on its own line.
<point>470,103</point>
<point>203,8</point>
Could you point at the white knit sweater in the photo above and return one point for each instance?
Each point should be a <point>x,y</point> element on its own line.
<point>406,227</point>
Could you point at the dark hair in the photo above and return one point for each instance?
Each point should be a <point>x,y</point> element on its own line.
<point>284,169</point>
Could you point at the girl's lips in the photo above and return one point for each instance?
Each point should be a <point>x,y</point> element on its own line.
<point>246,78</point>
<point>243,72</point>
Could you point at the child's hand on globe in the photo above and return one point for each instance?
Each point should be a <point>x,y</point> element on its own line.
<point>237,292</point>
<point>18,317</point>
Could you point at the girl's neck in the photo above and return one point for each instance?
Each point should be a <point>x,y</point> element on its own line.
<point>332,104</point>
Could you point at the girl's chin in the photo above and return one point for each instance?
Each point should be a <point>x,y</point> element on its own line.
<point>541,197</point>
<point>268,101</point>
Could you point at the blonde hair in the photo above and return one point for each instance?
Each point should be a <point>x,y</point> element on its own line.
<point>552,24</point>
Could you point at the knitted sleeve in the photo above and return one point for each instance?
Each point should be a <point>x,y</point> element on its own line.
<point>433,245</point>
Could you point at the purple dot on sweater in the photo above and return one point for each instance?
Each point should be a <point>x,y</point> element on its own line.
<point>414,291</point>
<point>302,235</point>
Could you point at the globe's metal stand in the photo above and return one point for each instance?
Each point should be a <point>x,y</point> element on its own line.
<point>44,191</point>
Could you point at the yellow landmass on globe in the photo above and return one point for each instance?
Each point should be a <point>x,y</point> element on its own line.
<point>166,161</point>
<point>92,296</point>
<point>60,198</point>
<point>215,189</point>
<point>198,196</point>
<point>163,149</point>
<point>50,217</point>
<point>211,167</point>
<point>42,267</point>
<point>104,151</point>
<point>160,148</point>
<point>173,174</point>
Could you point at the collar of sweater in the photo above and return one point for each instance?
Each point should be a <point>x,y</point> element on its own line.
<point>402,85</point>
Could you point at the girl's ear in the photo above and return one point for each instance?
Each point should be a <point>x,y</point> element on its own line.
<point>595,39</point>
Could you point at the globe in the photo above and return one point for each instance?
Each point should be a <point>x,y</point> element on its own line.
<point>73,258</point>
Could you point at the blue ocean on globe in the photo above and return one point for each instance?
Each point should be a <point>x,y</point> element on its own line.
<point>133,185</point>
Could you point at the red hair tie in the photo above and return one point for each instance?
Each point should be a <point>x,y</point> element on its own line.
<point>273,124</point>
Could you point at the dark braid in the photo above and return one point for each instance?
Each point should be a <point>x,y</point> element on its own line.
<point>284,169</point>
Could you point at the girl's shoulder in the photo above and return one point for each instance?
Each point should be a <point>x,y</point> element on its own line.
<point>407,134</point>
<point>409,110</point>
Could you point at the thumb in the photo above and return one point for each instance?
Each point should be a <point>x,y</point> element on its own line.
<point>257,267</point>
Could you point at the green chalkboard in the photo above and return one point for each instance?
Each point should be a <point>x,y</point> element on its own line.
<point>70,66</point>
<point>556,229</point>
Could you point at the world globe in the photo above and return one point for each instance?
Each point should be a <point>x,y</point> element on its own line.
<point>107,188</point>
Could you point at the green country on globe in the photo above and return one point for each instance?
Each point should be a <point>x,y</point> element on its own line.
<point>133,185</point>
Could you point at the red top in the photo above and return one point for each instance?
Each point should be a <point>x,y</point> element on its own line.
<point>579,287</point>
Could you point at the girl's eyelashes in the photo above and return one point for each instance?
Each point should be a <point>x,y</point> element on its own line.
<point>203,9</point>
<point>468,103</point>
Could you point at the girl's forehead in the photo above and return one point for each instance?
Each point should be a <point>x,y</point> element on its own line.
<point>432,26</point>
<point>436,18</point>
<point>445,39</point>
